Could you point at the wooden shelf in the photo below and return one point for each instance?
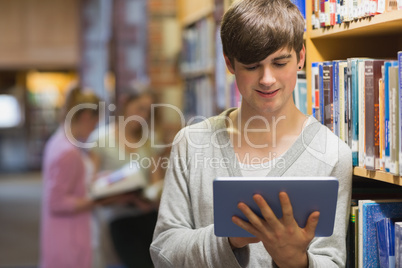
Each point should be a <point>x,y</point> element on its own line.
<point>192,11</point>
<point>377,175</point>
<point>199,72</point>
<point>379,25</point>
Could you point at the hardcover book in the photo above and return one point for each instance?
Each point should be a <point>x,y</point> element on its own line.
<point>371,211</point>
<point>372,76</point>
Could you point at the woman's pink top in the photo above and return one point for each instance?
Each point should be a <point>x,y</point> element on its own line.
<point>65,234</point>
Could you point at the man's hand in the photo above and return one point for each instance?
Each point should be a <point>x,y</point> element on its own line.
<point>284,240</point>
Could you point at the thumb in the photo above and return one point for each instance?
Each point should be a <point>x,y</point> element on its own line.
<point>312,222</point>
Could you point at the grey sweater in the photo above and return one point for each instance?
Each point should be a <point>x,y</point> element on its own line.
<point>184,234</point>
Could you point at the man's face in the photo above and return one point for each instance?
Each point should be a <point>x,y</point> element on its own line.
<point>266,86</point>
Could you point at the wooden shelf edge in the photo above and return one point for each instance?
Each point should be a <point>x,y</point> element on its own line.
<point>197,15</point>
<point>199,72</point>
<point>361,26</point>
<point>377,175</point>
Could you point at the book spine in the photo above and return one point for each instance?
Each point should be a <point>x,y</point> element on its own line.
<point>321,90</point>
<point>398,244</point>
<point>381,123</point>
<point>349,107</point>
<point>342,66</point>
<point>377,74</point>
<point>335,86</point>
<point>355,115</point>
<point>386,117</point>
<point>346,86</point>
<point>328,97</point>
<point>369,104</point>
<point>399,89</point>
<point>394,106</point>
<point>377,65</point>
<point>362,115</point>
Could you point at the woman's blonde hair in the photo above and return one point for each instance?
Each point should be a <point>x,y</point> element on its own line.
<point>76,96</point>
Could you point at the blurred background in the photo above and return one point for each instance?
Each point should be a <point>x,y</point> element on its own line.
<point>45,47</point>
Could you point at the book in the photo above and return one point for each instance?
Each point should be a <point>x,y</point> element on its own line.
<point>387,64</point>
<point>372,74</point>
<point>126,179</point>
<point>315,93</point>
<point>371,211</point>
<point>328,96</point>
<point>351,241</point>
<point>355,115</point>
<point>398,244</point>
<point>381,121</point>
<point>335,86</point>
<point>300,92</point>
<point>394,117</point>
<point>342,126</point>
<point>362,114</point>
<point>386,242</point>
<point>399,89</point>
<point>349,96</point>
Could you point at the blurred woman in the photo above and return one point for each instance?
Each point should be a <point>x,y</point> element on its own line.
<point>129,139</point>
<point>67,238</point>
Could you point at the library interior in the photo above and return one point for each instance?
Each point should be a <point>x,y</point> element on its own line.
<point>351,82</point>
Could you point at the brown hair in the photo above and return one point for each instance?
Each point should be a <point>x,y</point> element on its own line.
<point>76,96</point>
<point>252,30</point>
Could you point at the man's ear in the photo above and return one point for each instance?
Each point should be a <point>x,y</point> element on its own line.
<point>229,65</point>
<point>302,56</point>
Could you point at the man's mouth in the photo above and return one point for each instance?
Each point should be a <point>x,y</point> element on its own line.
<point>267,93</point>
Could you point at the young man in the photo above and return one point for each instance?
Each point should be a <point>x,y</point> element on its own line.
<point>267,136</point>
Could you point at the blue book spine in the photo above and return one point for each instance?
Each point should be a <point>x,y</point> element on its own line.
<point>387,64</point>
<point>398,244</point>
<point>386,242</point>
<point>335,82</point>
<point>373,212</point>
<point>355,114</point>
<point>314,66</point>
<point>400,108</point>
<point>321,90</point>
<point>301,4</point>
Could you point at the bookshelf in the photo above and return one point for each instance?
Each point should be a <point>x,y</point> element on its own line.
<point>379,36</point>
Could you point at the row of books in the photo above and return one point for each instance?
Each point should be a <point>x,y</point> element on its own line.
<point>198,53</point>
<point>374,237</point>
<point>359,99</point>
<point>331,12</point>
<point>198,104</point>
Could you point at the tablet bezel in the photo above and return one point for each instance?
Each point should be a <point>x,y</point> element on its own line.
<point>307,194</point>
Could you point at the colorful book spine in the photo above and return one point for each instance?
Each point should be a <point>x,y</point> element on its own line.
<point>398,244</point>
<point>342,67</point>
<point>349,107</point>
<point>355,114</point>
<point>381,122</point>
<point>328,96</point>
<point>386,242</point>
<point>315,93</point>
<point>362,115</point>
<point>372,76</point>
<point>371,212</point>
<point>399,58</point>
<point>394,118</point>
<point>387,64</point>
<point>335,86</point>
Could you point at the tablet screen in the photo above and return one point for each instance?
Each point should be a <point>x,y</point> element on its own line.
<point>307,194</point>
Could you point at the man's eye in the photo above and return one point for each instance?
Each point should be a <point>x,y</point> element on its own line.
<point>277,64</point>
<point>251,68</point>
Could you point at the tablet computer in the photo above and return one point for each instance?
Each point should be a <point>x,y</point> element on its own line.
<point>307,194</point>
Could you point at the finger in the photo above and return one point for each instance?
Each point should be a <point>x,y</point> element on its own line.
<point>245,225</point>
<point>287,210</point>
<point>311,225</point>
<point>266,211</point>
